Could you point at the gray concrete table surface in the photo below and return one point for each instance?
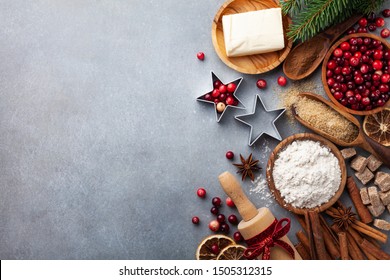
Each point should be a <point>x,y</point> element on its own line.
<point>102,142</point>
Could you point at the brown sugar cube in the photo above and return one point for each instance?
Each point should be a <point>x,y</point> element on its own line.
<point>364,196</point>
<point>373,163</point>
<point>374,196</point>
<point>385,197</point>
<point>382,180</point>
<point>348,153</point>
<point>382,224</point>
<point>376,211</point>
<point>359,163</point>
<point>365,176</point>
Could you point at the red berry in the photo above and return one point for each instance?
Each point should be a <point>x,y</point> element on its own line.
<point>372,27</point>
<point>200,55</point>
<point>345,46</point>
<point>261,83</point>
<point>233,219</point>
<point>354,61</point>
<point>377,64</point>
<point>386,13</point>
<point>215,93</point>
<point>385,78</point>
<point>201,192</point>
<point>282,81</point>
<point>216,201</point>
<point>366,101</point>
<point>237,236</point>
<point>222,96</point>
<point>224,227</point>
<point>362,30</point>
<point>385,33</point>
<point>231,87</point>
<point>331,64</point>
<point>217,84</point>
<point>338,52</point>
<point>214,225</point>
<point>214,249</point>
<point>229,155</point>
<point>208,97</point>
<point>221,218</point>
<point>214,210</point>
<point>384,88</point>
<point>222,89</point>
<point>229,100</point>
<point>195,220</point>
<point>378,54</point>
<point>229,202</point>
<point>351,31</point>
<point>363,22</point>
<point>379,22</point>
<point>338,95</point>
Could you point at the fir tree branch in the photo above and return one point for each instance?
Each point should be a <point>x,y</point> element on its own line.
<point>292,7</point>
<point>368,6</point>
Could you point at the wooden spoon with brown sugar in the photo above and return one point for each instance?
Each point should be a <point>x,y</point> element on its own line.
<point>305,57</point>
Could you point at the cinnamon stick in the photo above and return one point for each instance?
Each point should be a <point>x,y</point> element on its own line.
<point>343,245</point>
<point>312,250</point>
<point>359,239</point>
<point>304,240</point>
<point>302,251</point>
<point>369,231</point>
<point>354,194</point>
<point>353,248</point>
<point>318,237</point>
<point>301,221</point>
<point>330,244</point>
<point>375,251</point>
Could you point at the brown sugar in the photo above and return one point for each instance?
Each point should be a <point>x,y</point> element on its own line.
<point>326,119</point>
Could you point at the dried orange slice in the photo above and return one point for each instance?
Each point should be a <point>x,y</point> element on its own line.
<point>204,251</point>
<point>377,127</point>
<point>232,252</point>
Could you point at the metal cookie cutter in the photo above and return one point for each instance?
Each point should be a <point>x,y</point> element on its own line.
<point>203,98</point>
<point>267,117</point>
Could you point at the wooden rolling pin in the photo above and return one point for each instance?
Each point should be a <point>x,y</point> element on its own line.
<point>254,220</point>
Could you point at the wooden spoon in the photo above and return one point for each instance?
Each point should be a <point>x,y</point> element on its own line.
<point>305,57</point>
<point>360,141</point>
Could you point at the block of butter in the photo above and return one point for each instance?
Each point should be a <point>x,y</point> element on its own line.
<point>253,32</point>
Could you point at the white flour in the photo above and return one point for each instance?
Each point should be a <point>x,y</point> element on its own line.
<point>306,174</point>
<point>263,197</point>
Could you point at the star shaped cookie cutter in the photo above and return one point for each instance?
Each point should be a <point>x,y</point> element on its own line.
<point>270,128</point>
<point>218,115</point>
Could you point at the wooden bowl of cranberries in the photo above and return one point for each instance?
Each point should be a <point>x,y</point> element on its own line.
<point>356,73</point>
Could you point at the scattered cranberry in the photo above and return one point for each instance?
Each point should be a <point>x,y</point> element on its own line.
<point>221,218</point>
<point>372,27</point>
<point>231,87</point>
<point>214,225</point>
<point>363,22</point>
<point>195,220</point>
<point>216,201</point>
<point>229,202</point>
<point>261,83</point>
<point>229,155</point>
<point>215,93</point>
<point>282,81</point>
<point>385,33</point>
<point>386,13</point>
<point>237,236</point>
<point>200,55</point>
<point>214,210</point>
<point>201,192</point>
<point>224,227</point>
<point>229,100</point>
<point>379,22</point>
<point>214,249</point>
<point>351,31</point>
<point>233,219</point>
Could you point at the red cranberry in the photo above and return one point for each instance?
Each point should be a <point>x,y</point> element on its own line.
<point>216,101</point>
<point>237,236</point>
<point>214,210</point>
<point>225,228</point>
<point>233,219</point>
<point>331,82</point>
<point>362,30</point>
<point>364,68</point>
<point>338,95</point>
<point>377,64</point>
<point>200,55</point>
<point>352,100</point>
<point>366,101</point>
<point>222,89</point>
<point>372,27</point>
<point>214,225</point>
<point>222,97</point>
<point>349,94</point>
<point>214,249</point>
<point>346,70</point>
<point>331,64</point>
<point>354,61</point>
<point>378,54</point>
<point>347,55</point>
<point>380,102</point>
<point>229,100</point>
<point>386,13</point>
<point>351,31</point>
<point>261,83</point>
<point>215,93</point>
<point>208,97</point>
<point>216,201</point>
<point>221,218</point>
<point>384,88</point>
<point>282,81</point>
<point>379,22</point>
<point>338,52</point>
<point>385,78</point>
<point>231,87</point>
<point>345,46</point>
<point>229,202</point>
<point>201,192</point>
<point>367,41</point>
<point>353,41</point>
<point>229,155</point>
<point>217,84</point>
<point>376,77</point>
<point>385,33</point>
<point>329,73</point>
<point>386,55</point>
<point>338,69</point>
<point>357,54</point>
<point>358,97</point>
<point>195,220</point>
<point>344,102</point>
<point>363,22</point>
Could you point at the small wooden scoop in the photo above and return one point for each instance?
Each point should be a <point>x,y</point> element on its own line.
<point>360,141</point>
<point>305,57</point>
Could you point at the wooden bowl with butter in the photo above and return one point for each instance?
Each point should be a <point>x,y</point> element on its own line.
<point>248,64</point>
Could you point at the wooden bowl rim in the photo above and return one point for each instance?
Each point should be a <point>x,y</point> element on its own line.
<point>284,144</point>
<point>225,59</point>
<point>324,78</point>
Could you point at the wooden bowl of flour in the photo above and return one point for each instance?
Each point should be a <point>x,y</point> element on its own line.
<point>323,142</point>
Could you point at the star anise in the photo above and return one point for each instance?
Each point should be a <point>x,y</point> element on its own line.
<point>344,217</point>
<point>247,167</point>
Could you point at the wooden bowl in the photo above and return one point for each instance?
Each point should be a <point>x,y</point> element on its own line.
<point>250,64</point>
<point>282,145</point>
<point>324,78</point>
